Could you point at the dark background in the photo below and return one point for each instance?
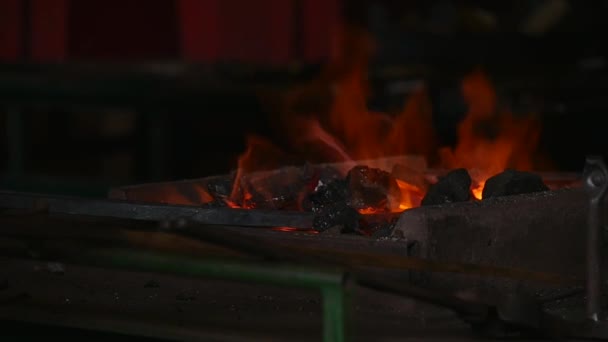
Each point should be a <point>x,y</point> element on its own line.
<point>101,93</point>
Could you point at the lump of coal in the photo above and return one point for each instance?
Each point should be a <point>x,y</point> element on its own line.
<point>316,177</point>
<point>330,205</point>
<point>339,201</point>
<point>276,189</point>
<point>372,188</point>
<point>453,187</point>
<point>513,182</point>
<point>220,187</point>
<point>287,188</point>
<point>329,194</point>
<point>337,215</point>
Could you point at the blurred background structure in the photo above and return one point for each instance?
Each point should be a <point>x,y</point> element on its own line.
<point>100,93</point>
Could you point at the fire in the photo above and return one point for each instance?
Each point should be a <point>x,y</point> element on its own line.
<point>260,155</point>
<point>490,138</point>
<point>369,134</point>
<point>411,195</point>
<point>477,189</point>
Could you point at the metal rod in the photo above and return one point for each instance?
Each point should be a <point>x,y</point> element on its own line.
<point>156,212</point>
<point>593,266</point>
<point>596,182</point>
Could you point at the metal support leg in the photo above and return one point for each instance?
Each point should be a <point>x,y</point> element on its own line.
<point>333,313</point>
<point>596,183</point>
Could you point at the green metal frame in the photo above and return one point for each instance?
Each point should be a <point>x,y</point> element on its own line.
<point>329,282</point>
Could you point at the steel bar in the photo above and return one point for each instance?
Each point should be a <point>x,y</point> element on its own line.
<point>596,183</point>
<point>357,260</point>
<point>294,247</point>
<point>155,212</point>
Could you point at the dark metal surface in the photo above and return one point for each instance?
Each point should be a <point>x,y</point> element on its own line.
<point>358,258</point>
<point>499,314</point>
<point>596,183</point>
<point>194,309</point>
<point>514,312</point>
<point>539,232</point>
<point>84,251</point>
<point>155,212</point>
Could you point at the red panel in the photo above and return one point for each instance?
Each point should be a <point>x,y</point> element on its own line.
<point>123,30</point>
<point>48,30</point>
<point>321,22</point>
<point>261,31</point>
<point>234,30</point>
<point>281,27</point>
<point>256,31</point>
<point>199,29</point>
<point>10,30</point>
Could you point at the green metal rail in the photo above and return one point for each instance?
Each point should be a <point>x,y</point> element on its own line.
<point>329,282</point>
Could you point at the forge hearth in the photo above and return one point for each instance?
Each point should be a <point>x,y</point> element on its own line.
<point>363,197</point>
<point>525,218</point>
<point>470,257</point>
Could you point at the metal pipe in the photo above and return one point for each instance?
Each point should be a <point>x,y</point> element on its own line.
<point>596,183</point>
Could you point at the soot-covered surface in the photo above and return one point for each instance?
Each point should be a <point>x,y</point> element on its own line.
<point>172,308</point>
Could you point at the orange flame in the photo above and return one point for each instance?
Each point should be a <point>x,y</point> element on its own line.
<point>411,195</point>
<point>259,155</point>
<point>489,139</point>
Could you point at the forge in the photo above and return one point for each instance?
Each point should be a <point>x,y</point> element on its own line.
<point>523,252</point>
<point>380,238</point>
<point>434,213</point>
<point>303,170</point>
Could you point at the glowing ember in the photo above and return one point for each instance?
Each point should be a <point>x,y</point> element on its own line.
<point>369,211</point>
<point>292,229</point>
<point>478,190</point>
<point>411,195</point>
